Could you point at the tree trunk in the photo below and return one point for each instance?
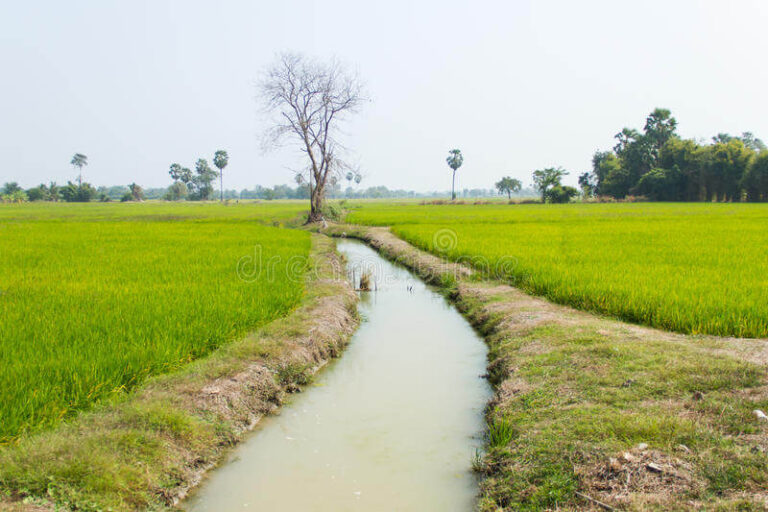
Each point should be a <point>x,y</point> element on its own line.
<point>453,186</point>
<point>316,200</point>
<point>221,186</point>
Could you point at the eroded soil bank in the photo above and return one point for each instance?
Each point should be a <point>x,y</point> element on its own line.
<point>392,425</point>
<point>148,450</point>
<point>591,413</point>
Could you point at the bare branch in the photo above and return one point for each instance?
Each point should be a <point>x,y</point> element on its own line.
<point>309,101</point>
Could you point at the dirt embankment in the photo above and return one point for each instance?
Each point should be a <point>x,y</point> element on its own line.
<point>148,450</point>
<point>592,413</point>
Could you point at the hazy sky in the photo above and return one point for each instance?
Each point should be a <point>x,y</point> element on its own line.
<point>517,85</point>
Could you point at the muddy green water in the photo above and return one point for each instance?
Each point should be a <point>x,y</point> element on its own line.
<point>392,425</point>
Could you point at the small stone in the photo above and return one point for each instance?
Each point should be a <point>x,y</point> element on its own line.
<point>760,415</point>
<point>614,464</point>
<point>642,446</point>
<point>627,457</point>
<point>654,467</point>
<point>683,448</point>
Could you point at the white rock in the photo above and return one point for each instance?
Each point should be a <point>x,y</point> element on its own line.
<point>760,415</point>
<point>642,446</point>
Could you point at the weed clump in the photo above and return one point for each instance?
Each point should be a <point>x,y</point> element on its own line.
<point>365,281</point>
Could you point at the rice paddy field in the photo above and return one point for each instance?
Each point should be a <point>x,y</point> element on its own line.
<point>692,268</point>
<point>96,297</point>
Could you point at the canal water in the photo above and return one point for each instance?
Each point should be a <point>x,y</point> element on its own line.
<point>391,426</point>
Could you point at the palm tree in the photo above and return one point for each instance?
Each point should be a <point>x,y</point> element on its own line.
<point>79,160</point>
<point>53,191</point>
<point>454,159</point>
<point>220,160</point>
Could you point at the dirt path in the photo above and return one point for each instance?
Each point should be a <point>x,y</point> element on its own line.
<point>594,413</point>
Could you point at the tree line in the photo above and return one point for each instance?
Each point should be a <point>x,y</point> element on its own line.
<point>198,185</point>
<point>658,164</point>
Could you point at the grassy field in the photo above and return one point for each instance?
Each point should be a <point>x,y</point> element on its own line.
<point>692,268</point>
<point>95,297</point>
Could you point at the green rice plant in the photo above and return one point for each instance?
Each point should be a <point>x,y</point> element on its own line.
<point>95,298</point>
<point>692,268</point>
<point>501,433</point>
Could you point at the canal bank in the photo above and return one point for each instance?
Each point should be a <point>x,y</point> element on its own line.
<point>393,425</point>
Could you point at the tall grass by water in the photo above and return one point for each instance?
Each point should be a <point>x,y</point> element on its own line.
<point>692,268</point>
<point>95,298</point>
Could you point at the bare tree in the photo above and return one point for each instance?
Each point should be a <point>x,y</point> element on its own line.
<point>310,100</point>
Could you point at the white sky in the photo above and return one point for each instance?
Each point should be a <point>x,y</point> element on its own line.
<point>517,85</point>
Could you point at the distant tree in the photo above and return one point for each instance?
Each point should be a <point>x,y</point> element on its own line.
<point>611,178</point>
<point>80,193</point>
<point>753,142</point>
<point>660,184</point>
<point>136,192</point>
<point>17,196</point>
<point>54,191</point>
<point>636,157</point>
<point>38,193</point>
<point>181,174</point>
<point>507,185</point>
<point>79,160</point>
<point>723,138</point>
<point>201,181</point>
<point>755,180</point>
<point>454,160</point>
<point>587,184</point>
<point>177,190</point>
<point>661,166</point>
<point>660,126</point>
<point>220,160</point>
<point>689,158</point>
<point>310,100</point>
<point>544,179</point>
<point>560,194</point>
<point>725,167</point>
<point>10,188</point>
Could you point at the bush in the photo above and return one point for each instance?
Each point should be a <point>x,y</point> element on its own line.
<point>332,211</point>
<point>37,194</point>
<point>560,194</point>
<point>176,192</point>
<point>18,196</point>
<point>660,185</point>
<point>78,193</point>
